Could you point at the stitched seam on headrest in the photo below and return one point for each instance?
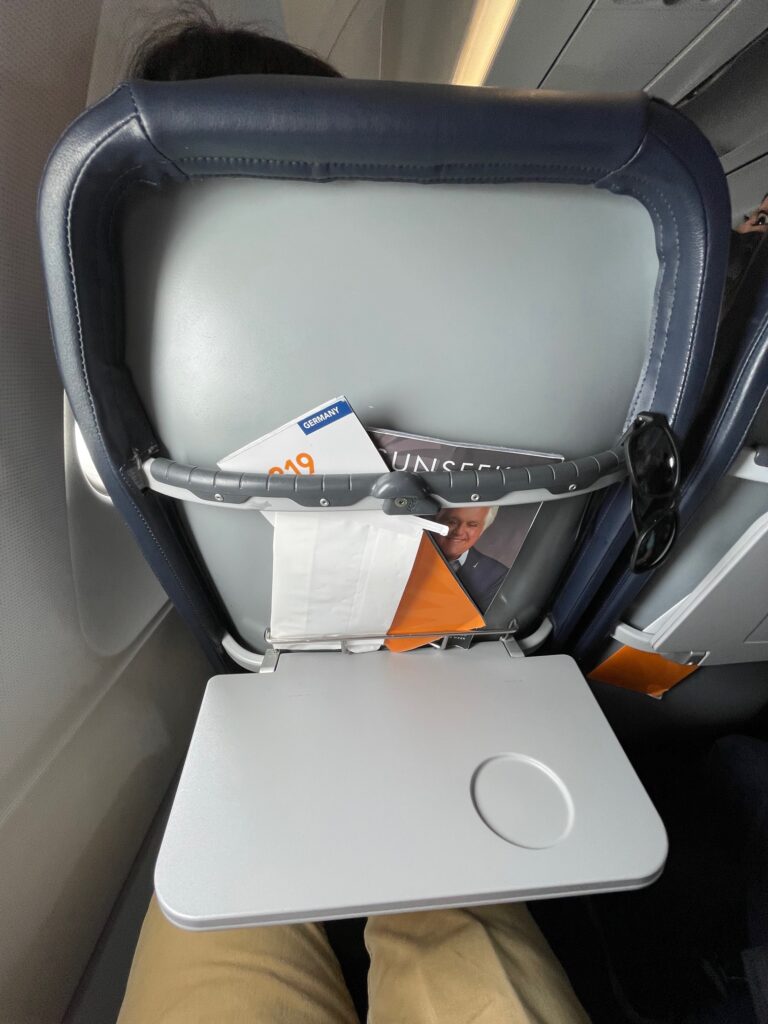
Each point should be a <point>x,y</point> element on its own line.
<point>675,279</point>
<point>657,310</point>
<point>699,281</point>
<point>358,167</point>
<point>487,180</point>
<point>700,278</point>
<point>145,132</point>
<point>73,286</point>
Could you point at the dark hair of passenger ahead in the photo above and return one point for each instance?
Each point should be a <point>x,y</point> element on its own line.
<point>196,45</point>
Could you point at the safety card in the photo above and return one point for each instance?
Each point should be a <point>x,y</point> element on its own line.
<point>328,439</point>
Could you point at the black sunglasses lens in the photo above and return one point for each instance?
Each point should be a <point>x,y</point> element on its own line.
<point>654,461</point>
<point>655,542</point>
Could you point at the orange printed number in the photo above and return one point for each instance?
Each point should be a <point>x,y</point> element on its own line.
<point>304,463</point>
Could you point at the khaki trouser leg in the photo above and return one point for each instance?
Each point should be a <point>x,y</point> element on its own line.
<point>489,965</point>
<point>271,975</point>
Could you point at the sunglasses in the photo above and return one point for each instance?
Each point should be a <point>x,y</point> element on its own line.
<point>653,464</point>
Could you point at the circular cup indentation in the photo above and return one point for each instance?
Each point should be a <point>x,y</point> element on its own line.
<point>522,801</point>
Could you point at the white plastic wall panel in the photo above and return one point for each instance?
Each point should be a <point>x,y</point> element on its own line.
<point>88,740</point>
<point>71,830</point>
<point>421,40</point>
<point>716,619</point>
<point>725,36</point>
<point>730,511</point>
<point>117,593</point>
<point>316,24</point>
<point>356,52</point>
<point>730,109</point>
<point>623,45</point>
<point>748,153</point>
<point>346,33</point>
<point>535,36</point>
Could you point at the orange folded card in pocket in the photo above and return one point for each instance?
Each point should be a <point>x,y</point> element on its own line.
<point>433,600</point>
<point>642,671</point>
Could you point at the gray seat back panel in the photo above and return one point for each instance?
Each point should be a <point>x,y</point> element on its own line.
<point>457,311</point>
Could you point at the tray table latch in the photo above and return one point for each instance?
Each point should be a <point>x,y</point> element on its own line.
<point>404,494</point>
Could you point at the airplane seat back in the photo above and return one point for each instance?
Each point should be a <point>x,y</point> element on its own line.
<point>707,605</point>
<point>740,301</point>
<point>520,270</point>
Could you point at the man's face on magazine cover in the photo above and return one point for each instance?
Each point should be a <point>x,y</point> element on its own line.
<point>464,528</point>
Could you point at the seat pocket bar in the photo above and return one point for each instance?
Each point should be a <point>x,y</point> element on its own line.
<point>396,493</point>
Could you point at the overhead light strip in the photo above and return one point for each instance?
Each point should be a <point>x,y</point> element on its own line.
<point>485,32</point>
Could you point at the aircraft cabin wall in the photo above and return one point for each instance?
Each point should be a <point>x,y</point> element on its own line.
<point>99,680</point>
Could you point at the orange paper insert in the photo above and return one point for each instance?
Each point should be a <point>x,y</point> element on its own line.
<point>432,600</point>
<point>642,671</point>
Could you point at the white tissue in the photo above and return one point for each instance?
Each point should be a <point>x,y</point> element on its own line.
<point>339,573</point>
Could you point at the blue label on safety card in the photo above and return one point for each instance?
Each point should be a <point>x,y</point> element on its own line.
<point>323,417</point>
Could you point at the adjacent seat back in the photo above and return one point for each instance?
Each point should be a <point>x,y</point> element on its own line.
<point>709,604</point>
<point>525,270</point>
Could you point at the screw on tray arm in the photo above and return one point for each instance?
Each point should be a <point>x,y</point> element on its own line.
<point>404,494</point>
